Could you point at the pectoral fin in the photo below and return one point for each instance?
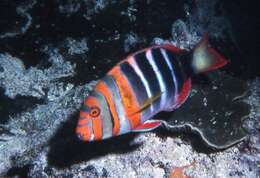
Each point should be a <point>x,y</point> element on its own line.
<point>147,103</point>
<point>148,126</point>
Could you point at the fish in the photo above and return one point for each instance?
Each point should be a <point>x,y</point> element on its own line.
<point>146,82</point>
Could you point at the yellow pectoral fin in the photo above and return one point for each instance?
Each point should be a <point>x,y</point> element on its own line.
<point>148,103</point>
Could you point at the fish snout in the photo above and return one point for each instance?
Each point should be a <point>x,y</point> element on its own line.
<point>84,130</point>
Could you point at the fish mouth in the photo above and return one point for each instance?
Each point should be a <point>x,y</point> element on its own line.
<point>82,136</point>
<point>85,137</point>
<point>84,130</point>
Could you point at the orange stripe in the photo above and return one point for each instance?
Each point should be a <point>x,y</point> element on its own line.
<point>83,115</point>
<point>97,128</point>
<point>96,122</point>
<point>82,129</point>
<point>127,95</point>
<point>103,89</point>
<point>82,122</point>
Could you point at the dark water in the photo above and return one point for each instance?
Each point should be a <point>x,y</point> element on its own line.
<point>154,19</point>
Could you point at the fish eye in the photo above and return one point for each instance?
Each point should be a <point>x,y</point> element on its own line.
<point>94,111</point>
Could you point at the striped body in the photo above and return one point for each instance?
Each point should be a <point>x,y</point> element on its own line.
<point>128,85</point>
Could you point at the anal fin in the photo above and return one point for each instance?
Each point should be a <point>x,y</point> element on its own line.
<point>148,126</point>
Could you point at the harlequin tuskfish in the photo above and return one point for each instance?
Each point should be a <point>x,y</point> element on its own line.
<point>145,83</point>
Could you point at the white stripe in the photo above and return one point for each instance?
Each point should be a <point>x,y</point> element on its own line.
<point>173,74</point>
<point>158,75</point>
<point>146,114</point>
<point>143,79</point>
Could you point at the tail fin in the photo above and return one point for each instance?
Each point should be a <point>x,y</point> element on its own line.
<point>205,58</point>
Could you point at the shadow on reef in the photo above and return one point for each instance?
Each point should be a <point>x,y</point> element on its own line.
<point>66,149</point>
<point>20,172</point>
<point>11,107</point>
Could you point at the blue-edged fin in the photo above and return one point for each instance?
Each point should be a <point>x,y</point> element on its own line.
<point>148,126</point>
